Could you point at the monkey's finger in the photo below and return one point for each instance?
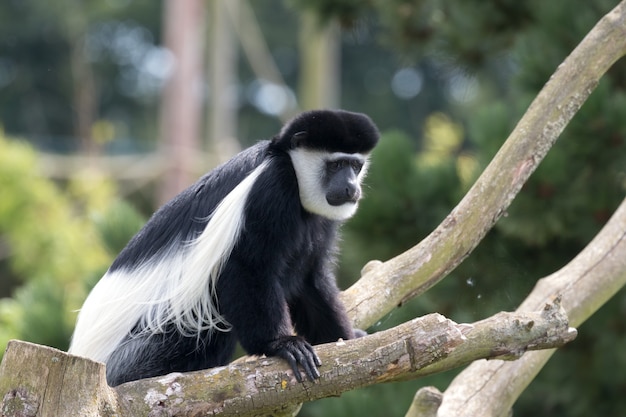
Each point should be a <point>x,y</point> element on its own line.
<point>316,359</point>
<point>293,363</point>
<point>307,360</point>
<point>310,370</point>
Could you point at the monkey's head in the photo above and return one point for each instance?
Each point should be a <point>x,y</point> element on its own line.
<point>329,150</point>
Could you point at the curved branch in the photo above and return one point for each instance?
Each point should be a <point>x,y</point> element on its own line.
<point>383,287</point>
<point>584,285</point>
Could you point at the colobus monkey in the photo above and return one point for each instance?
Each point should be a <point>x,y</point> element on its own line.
<point>244,254</point>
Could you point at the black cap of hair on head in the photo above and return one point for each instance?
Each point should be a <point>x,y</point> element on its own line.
<point>329,130</point>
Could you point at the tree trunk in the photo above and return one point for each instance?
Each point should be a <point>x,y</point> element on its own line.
<point>222,110</point>
<point>319,64</point>
<point>181,109</point>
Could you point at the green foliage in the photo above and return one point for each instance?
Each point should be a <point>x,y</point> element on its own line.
<point>38,223</point>
<point>436,26</point>
<point>118,224</point>
<point>580,182</point>
<point>54,249</point>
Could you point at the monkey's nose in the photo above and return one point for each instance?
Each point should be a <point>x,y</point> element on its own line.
<point>353,193</point>
<point>348,194</point>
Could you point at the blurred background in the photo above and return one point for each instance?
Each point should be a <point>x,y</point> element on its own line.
<point>109,108</point>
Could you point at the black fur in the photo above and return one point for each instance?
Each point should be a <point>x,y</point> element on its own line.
<point>332,131</point>
<point>279,276</point>
<point>184,217</point>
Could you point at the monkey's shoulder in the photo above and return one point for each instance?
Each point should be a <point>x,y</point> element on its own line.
<point>185,216</point>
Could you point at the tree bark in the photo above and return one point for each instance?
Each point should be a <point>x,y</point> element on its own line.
<point>584,285</point>
<point>41,381</point>
<point>44,382</point>
<point>587,282</point>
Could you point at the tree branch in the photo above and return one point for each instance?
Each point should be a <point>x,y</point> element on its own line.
<point>584,285</point>
<point>261,386</point>
<point>386,285</point>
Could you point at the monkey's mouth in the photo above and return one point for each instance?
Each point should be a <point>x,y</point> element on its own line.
<point>343,199</point>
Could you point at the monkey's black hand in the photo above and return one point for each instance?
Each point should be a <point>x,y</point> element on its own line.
<point>297,351</point>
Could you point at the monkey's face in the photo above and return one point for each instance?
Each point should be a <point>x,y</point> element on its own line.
<point>329,151</point>
<point>329,183</point>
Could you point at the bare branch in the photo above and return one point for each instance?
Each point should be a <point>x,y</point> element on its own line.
<point>260,386</point>
<point>584,285</point>
<point>425,403</point>
<point>411,273</point>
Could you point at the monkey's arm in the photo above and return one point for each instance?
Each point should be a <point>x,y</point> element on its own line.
<point>257,309</point>
<point>318,315</point>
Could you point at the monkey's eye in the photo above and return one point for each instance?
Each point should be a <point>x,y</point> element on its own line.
<point>357,166</point>
<point>339,164</point>
<point>336,165</point>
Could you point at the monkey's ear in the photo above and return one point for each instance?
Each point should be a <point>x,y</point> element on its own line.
<point>298,138</point>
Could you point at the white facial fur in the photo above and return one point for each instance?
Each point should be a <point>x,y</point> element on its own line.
<point>309,166</point>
